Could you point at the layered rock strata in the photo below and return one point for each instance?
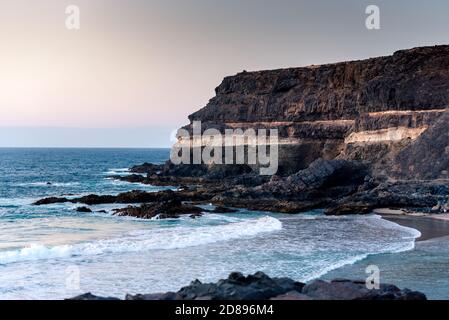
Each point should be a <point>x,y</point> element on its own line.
<point>345,109</point>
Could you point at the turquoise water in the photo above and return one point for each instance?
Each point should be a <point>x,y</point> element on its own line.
<point>54,252</point>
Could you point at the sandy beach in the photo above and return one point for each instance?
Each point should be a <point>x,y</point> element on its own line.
<point>430,225</point>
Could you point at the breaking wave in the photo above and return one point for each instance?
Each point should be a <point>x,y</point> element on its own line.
<point>136,241</point>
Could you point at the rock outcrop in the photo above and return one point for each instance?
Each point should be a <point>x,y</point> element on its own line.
<point>161,210</point>
<point>426,158</point>
<point>358,110</point>
<point>259,286</point>
<point>353,136</point>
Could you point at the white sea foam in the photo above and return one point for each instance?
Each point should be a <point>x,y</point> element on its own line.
<point>164,238</point>
<point>393,247</point>
<point>117,171</point>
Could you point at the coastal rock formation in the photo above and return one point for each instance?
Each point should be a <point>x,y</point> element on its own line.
<point>161,210</point>
<point>354,136</point>
<point>343,289</point>
<point>315,187</point>
<point>259,286</point>
<point>427,158</point>
<point>419,196</point>
<point>136,196</point>
<point>358,110</point>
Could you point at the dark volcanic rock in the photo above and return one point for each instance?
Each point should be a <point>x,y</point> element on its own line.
<point>417,195</point>
<point>154,296</point>
<point>221,209</point>
<point>428,156</point>
<point>317,108</point>
<point>136,196</point>
<point>90,296</point>
<point>342,289</point>
<point>83,209</point>
<point>322,174</point>
<point>349,132</point>
<point>145,168</point>
<point>238,287</point>
<point>317,186</point>
<point>259,286</point>
<point>163,210</point>
<point>50,200</point>
<point>415,79</point>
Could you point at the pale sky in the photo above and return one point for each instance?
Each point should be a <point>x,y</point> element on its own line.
<point>138,68</point>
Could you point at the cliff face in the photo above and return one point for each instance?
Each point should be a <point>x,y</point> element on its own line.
<point>367,110</point>
<point>426,158</point>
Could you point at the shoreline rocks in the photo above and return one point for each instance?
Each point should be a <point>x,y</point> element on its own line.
<point>259,286</point>
<point>337,186</point>
<point>347,132</point>
<point>163,210</point>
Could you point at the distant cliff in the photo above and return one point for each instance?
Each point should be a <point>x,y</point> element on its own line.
<point>370,110</point>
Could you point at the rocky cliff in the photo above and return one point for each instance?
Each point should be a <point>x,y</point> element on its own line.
<point>354,136</point>
<point>368,110</point>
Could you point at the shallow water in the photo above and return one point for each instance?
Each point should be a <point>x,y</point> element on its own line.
<point>53,252</point>
<point>424,269</point>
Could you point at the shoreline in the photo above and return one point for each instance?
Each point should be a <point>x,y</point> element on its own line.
<point>430,225</point>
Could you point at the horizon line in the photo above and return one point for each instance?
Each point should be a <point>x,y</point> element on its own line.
<point>79,147</point>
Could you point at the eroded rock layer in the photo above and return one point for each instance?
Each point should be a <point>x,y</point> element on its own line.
<point>358,110</point>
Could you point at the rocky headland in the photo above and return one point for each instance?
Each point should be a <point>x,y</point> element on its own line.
<point>353,136</point>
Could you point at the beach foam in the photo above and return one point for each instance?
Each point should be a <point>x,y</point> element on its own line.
<point>143,240</point>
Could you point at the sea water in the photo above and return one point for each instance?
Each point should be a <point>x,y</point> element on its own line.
<point>54,252</point>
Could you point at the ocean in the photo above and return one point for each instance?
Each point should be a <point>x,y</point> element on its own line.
<point>54,252</point>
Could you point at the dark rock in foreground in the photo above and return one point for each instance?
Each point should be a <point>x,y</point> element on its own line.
<point>342,289</point>
<point>90,296</point>
<point>259,286</point>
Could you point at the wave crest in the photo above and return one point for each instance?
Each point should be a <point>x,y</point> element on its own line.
<point>165,239</point>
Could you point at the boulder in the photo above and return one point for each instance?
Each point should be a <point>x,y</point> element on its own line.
<point>161,210</point>
<point>259,286</point>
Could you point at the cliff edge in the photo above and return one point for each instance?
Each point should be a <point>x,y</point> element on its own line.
<point>367,110</point>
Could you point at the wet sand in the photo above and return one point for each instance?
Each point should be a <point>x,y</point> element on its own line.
<point>430,225</point>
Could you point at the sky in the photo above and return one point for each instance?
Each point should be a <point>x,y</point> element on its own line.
<point>136,69</point>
